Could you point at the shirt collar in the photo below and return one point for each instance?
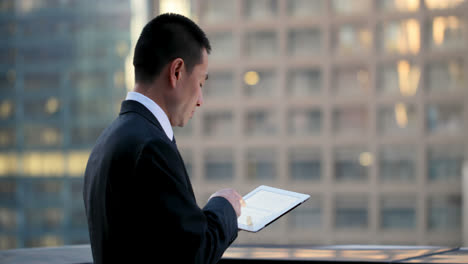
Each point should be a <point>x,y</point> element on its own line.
<point>154,108</point>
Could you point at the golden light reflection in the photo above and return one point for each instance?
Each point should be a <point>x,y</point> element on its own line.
<point>50,136</point>
<point>8,164</point>
<point>407,5</point>
<point>6,109</point>
<point>43,164</point>
<point>440,25</point>
<point>270,254</point>
<point>408,78</point>
<point>413,33</point>
<point>251,78</point>
<point>442,4</point>
<point>365,38</point>
<point>311,253</point>
<point>408,39</point>
<point>175,6</point>
<point>76,162</point>
<point>364,254</point>
<point>366,159</point>
<point>401,115</point>
<point>52,105</point>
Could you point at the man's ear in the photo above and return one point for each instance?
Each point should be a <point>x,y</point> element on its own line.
<point>175,71</point>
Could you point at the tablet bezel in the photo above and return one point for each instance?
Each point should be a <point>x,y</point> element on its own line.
<point>259,226</point>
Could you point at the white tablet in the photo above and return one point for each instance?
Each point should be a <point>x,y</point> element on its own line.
<point>266,204</point>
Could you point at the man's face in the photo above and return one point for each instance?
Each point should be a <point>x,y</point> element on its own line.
<point>190,91</point>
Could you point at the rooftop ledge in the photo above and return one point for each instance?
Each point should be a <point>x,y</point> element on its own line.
<point>266,254</point>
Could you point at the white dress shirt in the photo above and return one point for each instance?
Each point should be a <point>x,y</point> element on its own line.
<point>155,109</point>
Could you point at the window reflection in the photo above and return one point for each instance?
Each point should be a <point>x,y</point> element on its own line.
<point>350,120</point>
<point>351,81</point>
<point>400,37</point>
<point>219,123</point>
<point>445,212</point>
<point>398,212</point>
<point>304,122</point>
<point>397,163</point>
<point>42,108</point>
<point>445,163</point>
<point>260,44</point>
<point>220,84</point>
<point>38,134</point>
<point>8,164</point>
<point>352,39</point>
<point>351,164</point>
<point>224,47</point>
<point>403,77</point>
<point>262,83</point>
<point>304,82</point>
<point>43,164</point>
<point>304,42</point>
<point>305,8</point>
<point>260,9</point>
<point>442,4</point>
<point>40,82</point>
<point>215,11</point>
<point>398,119</point>
<point>7,136</point>
<point>346,7</point>
<point>398,5</point>
<point>305,164</point>
<point>219,164</point>
<point>445,76</point>
<point>8,219</point>
<point>261,122</point>
<point>261,164</point>
<point>444,118</point>
<point>351,212</point>
<point>447,33</point>
<point>7,81</point>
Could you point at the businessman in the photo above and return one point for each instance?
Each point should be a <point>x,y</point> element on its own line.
<point>139,200</point>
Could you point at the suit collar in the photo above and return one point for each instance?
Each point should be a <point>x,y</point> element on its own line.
<point>136,107</point>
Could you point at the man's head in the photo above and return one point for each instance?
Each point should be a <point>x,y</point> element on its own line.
<point>173,51</point>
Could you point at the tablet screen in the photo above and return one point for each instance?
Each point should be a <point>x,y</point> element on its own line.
<point>265,204</point>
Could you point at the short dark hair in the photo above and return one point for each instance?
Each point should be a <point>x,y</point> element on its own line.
<point>165,38</point>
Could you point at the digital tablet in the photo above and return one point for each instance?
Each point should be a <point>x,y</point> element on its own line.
<point>266,204</point>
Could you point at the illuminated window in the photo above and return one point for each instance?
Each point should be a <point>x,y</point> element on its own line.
<point>445,76</point>
<point>91,108</point>
<point>402,78</point>
<point>42,108</point>
<point>42,135</point>
<point>443,4</point>
<point>219,164</point>
<point>446,33</point>
<point>261,164</point>
<point>398,212</point>
<point>304,82</point>
<point>44,164</point>
<point>305,164</point>
<point>351,212</point>
<point>8,219</point>
<point>302,122</point>
<point>44,241</point>
<point>216,11</point>
<point>219,123</point>
<point>41,81</point>
<point>76,162</point>
<point>7,136</point>
<point>305,8</point>
<point>400,37</point>
<point>261,44</point>
<point>8,164</point>
<point>345,7</point>
<point>350,120</point>
<point>260,83</point>
<point>397,163</point>
<point>445,212</point>
<point>7,241</point>
<point>86,84</point>
<point>444,118</point>
<point>261,122</point>
<point>400,119</point>
<point>219,84</point>
<point>260,9</point>
<point>351,164</point>
<point>445,163</point>
<point>352,39</point>
<point>351,81</point>
<point>398,5</point>
<point>304,42</point>
<point>223,46</point>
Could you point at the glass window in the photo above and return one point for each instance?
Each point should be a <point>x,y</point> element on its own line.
<point>446,33</point>
<point>397,163</point>
<point>43,241</point>
<point>223,46</point>
<point>305,8</point>
<point>78,219</point>
<point>7,241</point>
<point>445,212</point>
<point>187,156</point>
<point>7,54</point>
<point>445,76</point>
<point>400,119</point>
<point>86,84</point>
<point>216,11</point>
<point>261,164</point>
<point>42,108</point>
<point>92,108</point>
<point>85,135</point>
<point>304,41</point>
<point>399,6</point>
<point>304,82</point>
<point>351,164</point>
<point>219,164</point>
<point>351,81</point>
<point>8,164</point>
<point>304,122</point>
<point>219,123</point>
<point>8,189</point>
<point>445,163</point>
<point>44,218</point>
<point>42,135</point>
<point>400,37</point>
<point>350,120</point>
<point>305,164</point>
<point>345,7</point>
<point>40,82</point>
<point>306,216</point>
<point>443,4</point>
<point>219,84</point>
<point>261,44</point>
<point>8,220</point>
<point>352,39</point>
<point>400,78</point>
<point>7,136</point>
<point>260,9</point>
<point>260,83</point>
<point>7,81</point>
<point>261,122</point>
<point>398,212</point>
<point>444,118</point>
<point>351,212</point>
<point>76,163</point>
<point>44,191</point>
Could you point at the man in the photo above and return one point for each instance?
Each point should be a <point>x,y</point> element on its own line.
<point>139,200</point>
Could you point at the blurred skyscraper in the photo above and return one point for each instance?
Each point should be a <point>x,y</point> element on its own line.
<point>62,78</point>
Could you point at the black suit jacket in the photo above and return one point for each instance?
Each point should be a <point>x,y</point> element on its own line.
<point>139,200</point>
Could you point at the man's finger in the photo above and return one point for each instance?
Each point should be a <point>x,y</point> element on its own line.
<point>242,202</point>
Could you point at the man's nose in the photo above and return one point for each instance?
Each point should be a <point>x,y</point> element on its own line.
<point>200,100</point>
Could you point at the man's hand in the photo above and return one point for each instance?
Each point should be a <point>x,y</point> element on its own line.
<point>233,197</point>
